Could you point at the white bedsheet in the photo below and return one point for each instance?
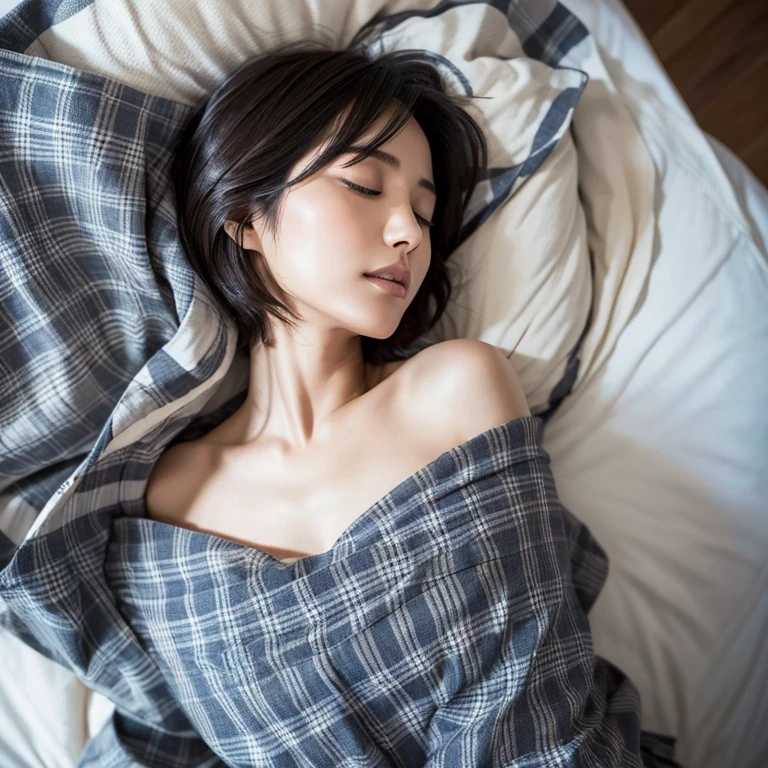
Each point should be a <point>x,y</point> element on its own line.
<point>663,454</point>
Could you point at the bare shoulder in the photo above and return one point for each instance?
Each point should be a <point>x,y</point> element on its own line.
<point>467,385</point>
<point>177,477</point>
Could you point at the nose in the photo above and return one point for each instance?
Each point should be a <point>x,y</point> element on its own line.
<point>403,227</point>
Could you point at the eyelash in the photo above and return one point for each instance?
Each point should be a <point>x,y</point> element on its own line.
<point>372,192</point>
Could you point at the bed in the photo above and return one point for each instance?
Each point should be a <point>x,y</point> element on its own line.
<point>658,444</point>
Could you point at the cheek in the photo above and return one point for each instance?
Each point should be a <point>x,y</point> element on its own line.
<point>325,209</point>
<point>320,233</point>
<point>423,259</point>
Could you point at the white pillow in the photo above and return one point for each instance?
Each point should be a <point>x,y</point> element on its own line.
<point>523,278</point>
<point>524,281</point>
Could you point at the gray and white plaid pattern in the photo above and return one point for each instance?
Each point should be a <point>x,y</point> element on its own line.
<point>443,628</point>
<point>93,282</point>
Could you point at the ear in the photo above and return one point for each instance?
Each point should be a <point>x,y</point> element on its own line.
<point>251,240</point>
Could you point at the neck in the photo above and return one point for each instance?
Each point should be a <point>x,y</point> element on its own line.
<point>299,384</point>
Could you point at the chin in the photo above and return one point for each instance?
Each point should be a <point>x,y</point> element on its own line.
<point>379,331</point>
<point>380,335</point>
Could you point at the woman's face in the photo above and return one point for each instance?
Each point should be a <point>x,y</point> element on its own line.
<point>331,234</point>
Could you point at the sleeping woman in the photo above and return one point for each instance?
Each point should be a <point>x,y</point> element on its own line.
<point>319,197</point>
<point>366,563</point>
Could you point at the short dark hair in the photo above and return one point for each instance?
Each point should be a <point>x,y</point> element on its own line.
<point>234,156</point>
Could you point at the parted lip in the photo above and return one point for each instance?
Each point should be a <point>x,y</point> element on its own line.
<point>396,271</point>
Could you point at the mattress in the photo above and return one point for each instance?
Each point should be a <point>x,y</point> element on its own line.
<point>670,441</point>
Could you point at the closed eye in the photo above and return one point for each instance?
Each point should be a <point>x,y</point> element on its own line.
<point>375,193</point>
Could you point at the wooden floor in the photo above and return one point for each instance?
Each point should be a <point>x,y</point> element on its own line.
<point>716,54</point>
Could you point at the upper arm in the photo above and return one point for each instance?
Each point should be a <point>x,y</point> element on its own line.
<point>472,386</point>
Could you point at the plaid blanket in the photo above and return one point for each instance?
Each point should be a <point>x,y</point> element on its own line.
<point>446,627</point>
<point>110,349</point>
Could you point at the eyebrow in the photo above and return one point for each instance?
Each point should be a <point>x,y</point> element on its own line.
<point>393,162</point>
